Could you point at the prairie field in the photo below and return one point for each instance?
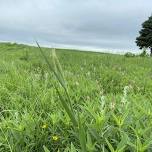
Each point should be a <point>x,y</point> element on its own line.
<point>58,100</point>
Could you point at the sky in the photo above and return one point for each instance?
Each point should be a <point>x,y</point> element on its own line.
<point>88,24</point>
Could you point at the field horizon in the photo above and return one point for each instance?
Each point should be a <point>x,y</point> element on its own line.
<point>77,48</point>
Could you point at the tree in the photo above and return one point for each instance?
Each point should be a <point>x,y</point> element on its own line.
<point>145,38</point>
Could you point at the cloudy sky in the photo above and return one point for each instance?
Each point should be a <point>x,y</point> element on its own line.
<point>97,24</point>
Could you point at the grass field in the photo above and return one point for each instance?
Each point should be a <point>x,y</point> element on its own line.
<point>74,101</point>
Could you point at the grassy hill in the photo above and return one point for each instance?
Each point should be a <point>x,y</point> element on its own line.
<point>95,102</point>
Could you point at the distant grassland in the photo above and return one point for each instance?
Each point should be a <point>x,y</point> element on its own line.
<point>109,96</point>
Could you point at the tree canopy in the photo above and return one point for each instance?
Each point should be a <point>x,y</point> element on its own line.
<point>144,40</point>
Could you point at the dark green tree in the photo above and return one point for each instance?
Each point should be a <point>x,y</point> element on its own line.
<point>145,38</point>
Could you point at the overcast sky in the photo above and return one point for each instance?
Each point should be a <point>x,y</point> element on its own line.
<point>102,24</point>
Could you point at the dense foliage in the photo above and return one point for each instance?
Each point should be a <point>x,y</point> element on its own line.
<point>95,102</point>
<point>145,38</point>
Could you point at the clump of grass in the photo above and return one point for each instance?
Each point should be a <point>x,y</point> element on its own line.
<point>129,54</point>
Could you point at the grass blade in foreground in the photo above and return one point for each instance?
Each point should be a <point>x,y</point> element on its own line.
<point>58,74</point>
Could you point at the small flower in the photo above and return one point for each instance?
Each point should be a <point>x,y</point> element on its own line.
<point>44,126</point>
<point>88,98</point>
<point>102,102</point>
<point>88,73</point>
<point>112,105</point>
<point>77,83</point>
<point>55,138</point>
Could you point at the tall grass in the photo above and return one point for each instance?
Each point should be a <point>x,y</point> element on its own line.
<point>86,102</point>
<point>65,100</point>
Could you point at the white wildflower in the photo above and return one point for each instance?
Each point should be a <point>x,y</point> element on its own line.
<point>77,83</point>
<point>88,73</point>
<point>112,105</point>
<point>125,92</point>
<point>102,102</point>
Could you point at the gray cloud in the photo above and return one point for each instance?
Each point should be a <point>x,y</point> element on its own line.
<point>92,23</point>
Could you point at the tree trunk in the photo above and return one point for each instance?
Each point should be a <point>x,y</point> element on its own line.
<point>150,51</point>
